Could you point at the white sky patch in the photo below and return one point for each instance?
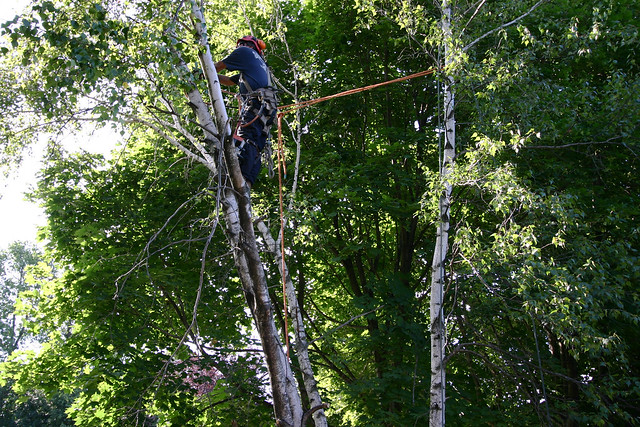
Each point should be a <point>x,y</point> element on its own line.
<point>19,218</point>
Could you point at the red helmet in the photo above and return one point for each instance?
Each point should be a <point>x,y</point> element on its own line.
<point>259,44</point>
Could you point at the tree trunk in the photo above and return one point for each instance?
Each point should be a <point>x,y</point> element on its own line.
<point>236,205</point>
<point>438,327</point>
<point>240,234</point>
<point>209,70</point>
<point>301,344</point>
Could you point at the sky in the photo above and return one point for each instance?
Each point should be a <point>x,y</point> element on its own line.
<point>20,219</point>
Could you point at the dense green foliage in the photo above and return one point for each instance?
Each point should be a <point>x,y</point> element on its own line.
<point>18,263</point>
<point>33,408</point>
<point>542,303</point>
<point>561,94</point>
<point>128,347</point>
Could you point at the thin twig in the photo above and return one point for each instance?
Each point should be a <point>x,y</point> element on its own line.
<point>342,325</point>
<point>508,24</point>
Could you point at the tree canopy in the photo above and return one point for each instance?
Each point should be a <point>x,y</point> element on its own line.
<point>541,302</point>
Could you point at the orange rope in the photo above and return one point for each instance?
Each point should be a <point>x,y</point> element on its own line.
<point>286,109</point>
<point>282,166</point>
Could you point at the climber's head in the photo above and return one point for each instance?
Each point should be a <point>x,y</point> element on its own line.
<point>252,42</point>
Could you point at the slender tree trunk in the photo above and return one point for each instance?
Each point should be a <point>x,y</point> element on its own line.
<point>209,69</point>
<point>438,327</point>
<point>237,209</point>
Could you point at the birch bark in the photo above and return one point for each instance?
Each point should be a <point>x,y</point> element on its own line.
<point>301,344</point>
<point>438,327</point>
<point>241,237</point>
<point>209,69</point>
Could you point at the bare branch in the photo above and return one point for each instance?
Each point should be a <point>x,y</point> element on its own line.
<point>310,412</point>
<point>474,15</point>
<point>191,155</point>
<point>192,139</point>
<point>612,140</point>
<point>146,249</point>
<point>508,24</point>
<point>464,348</point>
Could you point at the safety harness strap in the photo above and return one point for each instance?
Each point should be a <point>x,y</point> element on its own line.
<point>267,107</point>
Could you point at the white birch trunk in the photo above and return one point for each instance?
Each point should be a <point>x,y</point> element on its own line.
<point>240,233</point>
<point>438,327</point>
<point>209,69</point>
<point>241,237</point>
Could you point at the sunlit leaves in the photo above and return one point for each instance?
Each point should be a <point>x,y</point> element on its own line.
<point>542,177</point>
<point>544,209</point>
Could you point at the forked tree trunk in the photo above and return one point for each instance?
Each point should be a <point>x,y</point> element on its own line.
<point>300,343</point>
<point>438,327</point>
<point>240,234</point>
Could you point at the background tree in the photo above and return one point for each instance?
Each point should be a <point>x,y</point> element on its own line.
<point>540,302</point>
<point>14,264</point>
<point>506,219</point>
<point>531,225</point>
<point>35,408</point>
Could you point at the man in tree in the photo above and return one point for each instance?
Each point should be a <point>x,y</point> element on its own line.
<point>259,102</point>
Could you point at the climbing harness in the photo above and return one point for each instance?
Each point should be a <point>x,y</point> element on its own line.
<point>262,104</point>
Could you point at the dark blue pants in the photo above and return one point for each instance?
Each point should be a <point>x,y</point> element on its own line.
<point>254,141</point>
<point>250,162</point>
